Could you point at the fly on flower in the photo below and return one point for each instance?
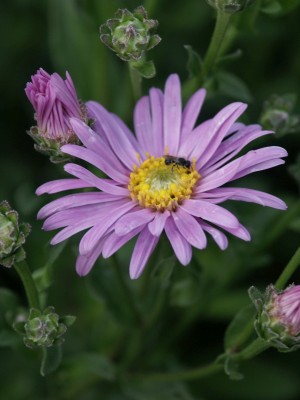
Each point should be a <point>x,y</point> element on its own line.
<point>180,161</point>
<point>143,196</point>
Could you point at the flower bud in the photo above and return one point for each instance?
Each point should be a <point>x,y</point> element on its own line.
<point>55,102</point>
<point>12,236</point>
<point>129,35</point>
<point>230,6</point>
<point>44,329</point>
<point>278,318</point>
<point>277,114</point>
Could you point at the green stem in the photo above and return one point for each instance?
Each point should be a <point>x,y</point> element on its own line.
<point>128,294</point>
<point>253,349</point>
<point>288,271</point>
<point>136,82</point>
<point>196,373</point>
<point>215,44</point>
<point>28,283</point>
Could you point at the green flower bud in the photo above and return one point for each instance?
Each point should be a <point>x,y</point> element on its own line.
<point>44,329</point>
<point>129,35</point>
<point>277,114</point>
<point>230,6</point>
<point>278,316</point>
<point>12,236</point>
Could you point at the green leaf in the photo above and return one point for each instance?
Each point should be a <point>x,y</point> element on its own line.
<point>279,7</point>
<point>51,360</point>
<point>233,86</point>
<point>99,365</point>
<point>8,338</point>
<point>239,328</point>
<point>194,62</point>
<point>231,368</point>
<point>163,270</point>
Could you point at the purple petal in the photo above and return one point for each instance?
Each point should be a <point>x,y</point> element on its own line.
<point>248,195</point>
<point>217,235</point>
<point>99,161</point>
<point>114,242</point>
<point>133,220</point>
<point>240,232</point>
<point>87,214</point>
<point>232,146</point>
<point>242,166</point>
<point>63,93</point>
<point>157,225</point>
<point>91,179</point>
<point>192,144</point>
<point>60,185</point>
<point>210,212</point>
<point>115,135</point>
<point>90,239</point>
<point>156,102</point>
<point>96,144</point>
<point>143,248</point>
<point>85,263</point>
<point>143,125</point>
<point>189,228</point>
<point>191,112</point>
<point>74,200</point>
<point>172,114</point>
<point>181,247</point>
<point>219,127</point>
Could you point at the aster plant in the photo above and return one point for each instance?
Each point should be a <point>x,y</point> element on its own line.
<point>168,178</point>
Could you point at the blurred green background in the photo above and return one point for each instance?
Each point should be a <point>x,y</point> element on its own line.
<point>60,35</point>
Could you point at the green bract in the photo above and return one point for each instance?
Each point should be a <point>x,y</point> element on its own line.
<point>12,235</point>
<point>44,329</point>
<point>270,326</point>
<point>230,6</point>
<point>129,35</point>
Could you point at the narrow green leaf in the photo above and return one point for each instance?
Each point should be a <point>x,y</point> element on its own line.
<point>239,328</point>
<point>231,85</point>
<point>194,62</point>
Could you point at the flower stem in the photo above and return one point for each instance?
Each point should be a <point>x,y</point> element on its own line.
<point>253,349</point>
<point>215,44</point>
<point>291,267</point>
<point>136,81</point>
<point>196,373</point>
<point>128,294</point>
<point>28,283</point>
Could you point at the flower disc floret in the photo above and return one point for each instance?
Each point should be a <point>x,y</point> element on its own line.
<point>162,187</point>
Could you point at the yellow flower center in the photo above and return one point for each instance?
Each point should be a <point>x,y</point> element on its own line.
<point>162,183</point>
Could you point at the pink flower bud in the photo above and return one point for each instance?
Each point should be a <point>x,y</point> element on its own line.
<point>285,308</point>
<point>55,102</point>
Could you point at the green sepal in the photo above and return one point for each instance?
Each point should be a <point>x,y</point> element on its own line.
<point>146,69</point>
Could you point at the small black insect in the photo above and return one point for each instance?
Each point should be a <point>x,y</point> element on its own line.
<point>182,162</point>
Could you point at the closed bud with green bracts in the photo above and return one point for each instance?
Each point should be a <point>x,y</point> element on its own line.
<point>44,329</point>
<point>278,316</point>
<point>12,235</point>
<point>230,6</point>
<point>277,114</point>
<point>54,101</point>
<point>130,35</point>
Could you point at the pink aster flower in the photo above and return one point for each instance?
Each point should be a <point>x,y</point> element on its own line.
<point>55,102</point>
<point>168,178</point>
